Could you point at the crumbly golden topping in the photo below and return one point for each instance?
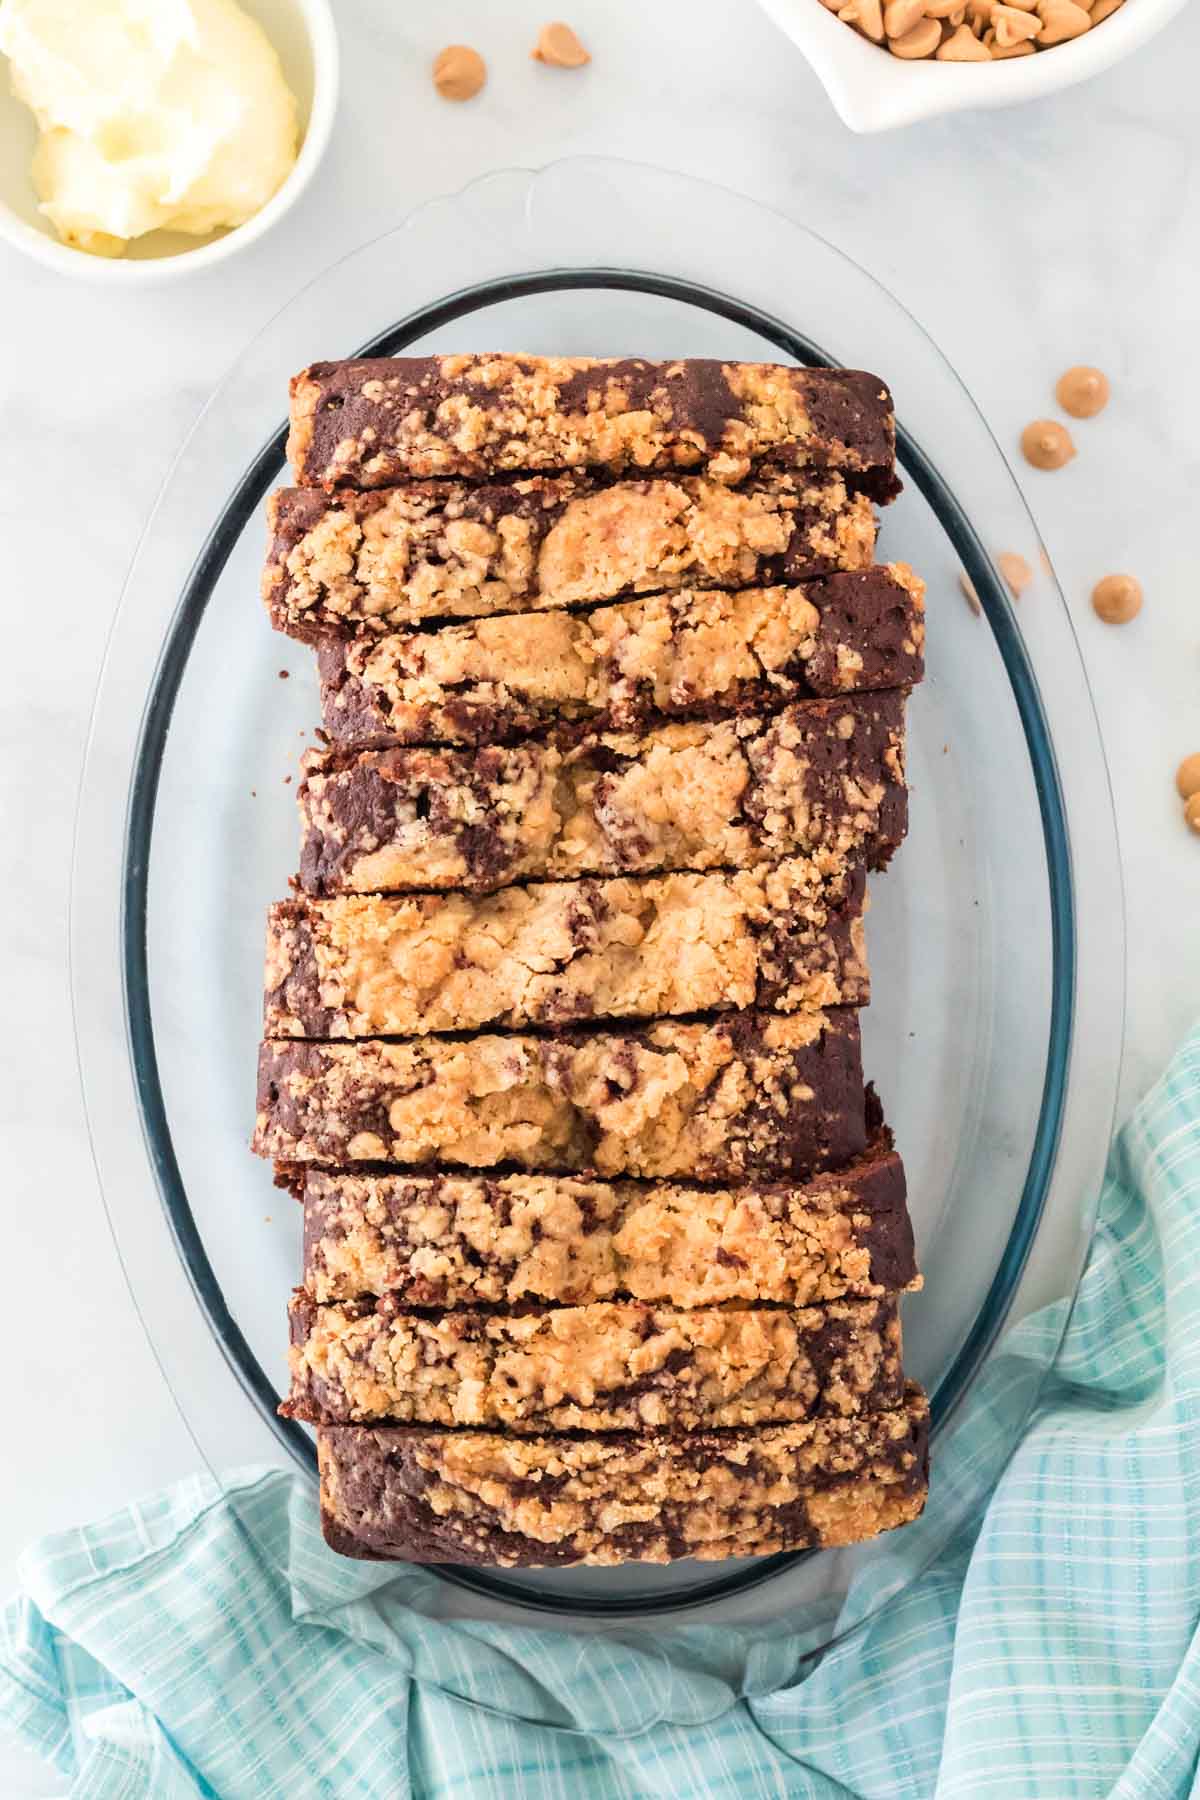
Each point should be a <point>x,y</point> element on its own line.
<point>787,935</point>
<point>824,779</point>
<point>646,818</point>
<point>372,421</point>
<point>463,1240</point>
<point>609,1366</point>
<point>383,561</point>
<point>758,1092</point>
<point>670,655</point>
<point>482,1497</point>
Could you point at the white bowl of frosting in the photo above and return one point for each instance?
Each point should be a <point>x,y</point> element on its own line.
<point>144,139</point>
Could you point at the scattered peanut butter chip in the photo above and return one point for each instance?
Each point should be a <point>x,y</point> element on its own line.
<point>969,594</point>
<point>1187,776</point>
<point>1047,444</point>
<point>1016,571</point>
<point>458,72</point>
<point>558,46</point>
<point>1191,812</point>
<point>1117,599</point>
<point>1082,392</point>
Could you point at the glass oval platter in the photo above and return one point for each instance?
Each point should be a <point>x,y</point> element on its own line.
<point>996,938</point>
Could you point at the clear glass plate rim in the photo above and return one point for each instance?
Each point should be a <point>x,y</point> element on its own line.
<point>240,507</point>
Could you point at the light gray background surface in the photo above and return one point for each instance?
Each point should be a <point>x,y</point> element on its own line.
<point>1025,240</point>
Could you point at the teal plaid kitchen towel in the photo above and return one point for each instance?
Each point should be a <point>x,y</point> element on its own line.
<point>204,1642</point>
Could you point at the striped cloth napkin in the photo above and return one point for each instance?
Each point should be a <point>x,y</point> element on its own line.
<point>204,1642</point>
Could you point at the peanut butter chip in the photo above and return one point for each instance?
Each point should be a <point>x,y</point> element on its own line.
<point>1187,776</point>
<point>963,46</point>
<point>558,46</point>
<point>1117,599</point>
<point>969,594</point>
<point>1082,392</point>
<point>975,31</point>
<point>867,15</point>
<point>1012,26</point>
<point>1062,20</point>
<point>1191,813</point>
<point>458,72</point>
<point>1047,444</point>
<point>1016,572</point>
<point>922,40</point>
<point>900,16</point>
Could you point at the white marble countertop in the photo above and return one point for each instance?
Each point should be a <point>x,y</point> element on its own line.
<point>1026,240</point>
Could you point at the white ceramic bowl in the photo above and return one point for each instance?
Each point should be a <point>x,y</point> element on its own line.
<point>302,31</point>
<point>873,90</point>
